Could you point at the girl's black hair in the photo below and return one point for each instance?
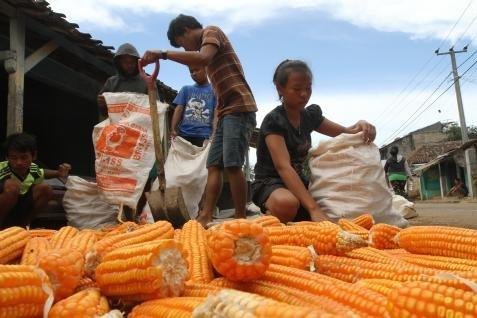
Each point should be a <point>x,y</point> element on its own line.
<point>20,142</point>
<point>178,26</point>
<point>286,67</point>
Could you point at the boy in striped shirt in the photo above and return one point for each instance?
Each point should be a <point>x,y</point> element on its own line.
<point>210,47</point>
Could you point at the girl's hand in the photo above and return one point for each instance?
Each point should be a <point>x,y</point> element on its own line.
<point>369,131</point>
<point>317,215</point>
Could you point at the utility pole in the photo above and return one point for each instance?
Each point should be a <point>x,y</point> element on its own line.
<point>469,157</point>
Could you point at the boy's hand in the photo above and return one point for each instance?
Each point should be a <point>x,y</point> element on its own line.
<point>150,56</point>
<point>12,186</point>
<point>173,133</point>
<point>64,170</point>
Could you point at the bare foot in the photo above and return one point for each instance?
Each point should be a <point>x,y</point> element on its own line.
<point>240,215</point>
<point>204,219</point>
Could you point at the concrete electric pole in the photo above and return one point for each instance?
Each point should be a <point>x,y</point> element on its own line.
<point>469,155</point>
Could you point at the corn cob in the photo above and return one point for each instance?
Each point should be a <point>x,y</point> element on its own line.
<point>64,267</point>
<point>12,243</point>
<point>86,304</point>
<point>135,235</point>
<point>325,237</point>
<point>62,236</point>
<point>382,236</point>
<point>33,249</point>
<point>174,307</point>
<point>293,256</point>
<point>364,302</point>
<point>352,270</point>
<point>193,240</point>
<point>421,299</point>
<point>364,220</point>
<point>236,304</point>
<point>47,233</point>
<point>351,227</point>
<point>451,264</point>
<point>199,289</point>
<point>177,234</point>
<point>85,283</point>
<point>143,271</point>
<point>120,228</point>
<point>267,220</point>
<point>24,291</point>
<point>379,285</point>
<point>239,250</point>
<point>374,255</point>
<point>397,251</point>
<point>439,241</point>
<point>303,223</point>
<point>82,242</point>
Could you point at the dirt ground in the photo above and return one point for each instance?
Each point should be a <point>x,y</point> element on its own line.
<point>461,214</point>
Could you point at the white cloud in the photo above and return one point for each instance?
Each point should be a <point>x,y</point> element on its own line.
<point>419,19</point>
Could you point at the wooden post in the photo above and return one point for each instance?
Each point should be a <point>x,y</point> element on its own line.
<point>16,77</point>
<point>441,183</point>
<point>37,56</point>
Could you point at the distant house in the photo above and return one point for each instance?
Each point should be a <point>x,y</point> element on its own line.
<point>431,134</point>
<point>438,165</point>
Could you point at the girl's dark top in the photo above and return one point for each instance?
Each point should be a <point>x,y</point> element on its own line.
<point>298,140</point>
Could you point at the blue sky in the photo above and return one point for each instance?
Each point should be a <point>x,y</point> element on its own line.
<point>362,53</point>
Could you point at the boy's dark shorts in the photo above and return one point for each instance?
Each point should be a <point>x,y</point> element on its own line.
<point>230,143</point>
<point>263,188</point>
<point>17,216</point>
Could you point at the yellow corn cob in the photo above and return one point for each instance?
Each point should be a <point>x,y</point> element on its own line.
<point>364,220</point>
<point>303,223</point>
<point>23,291</point>
<point>293,256</point>
<point>177,234</point>
<point>120,228</point>
<point>451,264</point>
<point>439,241</point>
<point>199,289</point>
<point>239,249</point>
<point>351,227</point>
<point>382,286</point>
<point>236,304</point>
<point>86,304</point>
<point>397,251</point>
<point>85,283</point>
<point>193,239</point>
<point>12,243</point>
<point>47,233</point>
<point>62,236</point>
<point>97,233</point>
<point>82,242</point>
<point>325,237</point>
<point>382,236</point>
<point>173,307</point>
<point>364,302</point>
<point>64,267</point>
<point>420,299</point>
<point>352,270</point>
<point>143,271</point>
<point>33,249</point>
<point>267,220</point>
<point>374,255</point>
<point>135,235</point>
<point>288,295</point>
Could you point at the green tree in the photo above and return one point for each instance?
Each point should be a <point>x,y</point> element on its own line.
<point>453,131</point>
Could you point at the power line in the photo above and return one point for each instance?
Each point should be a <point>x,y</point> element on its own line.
<point>392,105</point>
<point>404,126</point>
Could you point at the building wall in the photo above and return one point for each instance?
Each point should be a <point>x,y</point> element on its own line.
<point>424,138</point>
<point>414,141</point>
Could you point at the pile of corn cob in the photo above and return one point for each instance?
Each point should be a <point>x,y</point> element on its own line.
<point>241,268</point>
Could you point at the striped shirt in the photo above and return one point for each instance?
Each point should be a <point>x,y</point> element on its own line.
<point>226,75</point>
<point>36,175</point>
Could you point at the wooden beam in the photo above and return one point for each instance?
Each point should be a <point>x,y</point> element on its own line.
<point>69,46</point>
<point>37,56</point>
<point>6,55</point>
<point>16,79</point>
<point>7,9</point>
